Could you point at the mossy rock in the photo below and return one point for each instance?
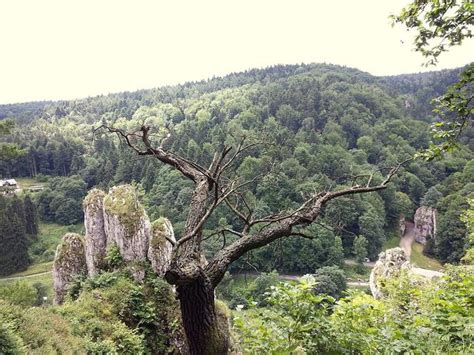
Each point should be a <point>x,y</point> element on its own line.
<point>390,265</point>
<point>160,247</point>
<point>159,231</point>
<point>122,201</point>
<point>70,251</point>
<point>94,200</point>
<point>223,314</point>
<point>69,262</point>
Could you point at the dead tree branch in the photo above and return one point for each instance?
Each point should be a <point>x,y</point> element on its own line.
<point>282,226</point>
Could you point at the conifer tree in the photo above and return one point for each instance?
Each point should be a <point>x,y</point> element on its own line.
<point>31,216</point>
<point>13,241</point>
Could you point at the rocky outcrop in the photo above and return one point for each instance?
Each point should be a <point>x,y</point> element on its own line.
<point>69,262</point>
<point>160,248</point>
<point>126,223</point>
<point>425,224</point>
<point>114,221</point>
<point>95,238</point>
<point>390,264</point>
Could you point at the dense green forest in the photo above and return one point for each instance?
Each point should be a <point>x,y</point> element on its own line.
<point>323,126</point>
<point>316,128</point>
<point>18,229</point>
<point>296,209</point>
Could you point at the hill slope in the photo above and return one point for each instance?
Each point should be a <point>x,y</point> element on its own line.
<point>324,124</point>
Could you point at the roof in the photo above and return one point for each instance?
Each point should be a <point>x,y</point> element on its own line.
<point>8,182</point>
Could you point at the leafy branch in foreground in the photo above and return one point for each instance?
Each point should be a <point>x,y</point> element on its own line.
<point>441,25</point>
<point>457,108</point>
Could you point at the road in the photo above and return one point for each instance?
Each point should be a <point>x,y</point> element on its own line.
<point>426,272</point>
<point>353,262</point>
<point>408,238</point>
<point>406,242</point>
<point>296,277</point>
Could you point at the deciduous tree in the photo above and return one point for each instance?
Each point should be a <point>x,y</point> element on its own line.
<point>440,25</point>
<point>217,185</point>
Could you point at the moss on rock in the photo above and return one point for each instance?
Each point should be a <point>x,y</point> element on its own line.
<point>69,262</point>
<point>94,199</point>
<point>126,223</point>
<point>95,238</point>
<point>160,248</point>
<point>159,232</point>
<point>391,263</point>
<point>122,201</point>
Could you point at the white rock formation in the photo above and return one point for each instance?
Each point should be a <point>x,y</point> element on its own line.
<point>116,219</point>
<point>126,223</point>
<point>425,224</point>
<point>95,238</point>
<point>390,264</point>
<point>69,262</point>
<point>160,247</point>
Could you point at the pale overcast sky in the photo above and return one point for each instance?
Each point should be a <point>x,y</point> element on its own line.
<point>63,49</point>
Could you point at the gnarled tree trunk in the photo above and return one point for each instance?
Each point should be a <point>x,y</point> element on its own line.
<point>195,280</point>
<point>195,290</point>
<point>204,332</point>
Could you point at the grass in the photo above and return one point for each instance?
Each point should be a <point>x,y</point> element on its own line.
<point>26,183</point>
<point>417,258</point>
<point>33,270</point>
<point>422,261</point>
<point>50,234</point>
<point>46,280</point>
<point>391,242</point>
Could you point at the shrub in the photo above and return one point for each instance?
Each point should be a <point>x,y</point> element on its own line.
<point>10,343</point>
<point>417,316</point>
<point>19,293</point>
<point>331,281</point>
<point>296,322</point>
<point>262,285</point>
<point>113,257</point>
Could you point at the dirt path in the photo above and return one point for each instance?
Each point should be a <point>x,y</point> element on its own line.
<point>406,242</point>
<point>25,277</point>
<point>408,238</point>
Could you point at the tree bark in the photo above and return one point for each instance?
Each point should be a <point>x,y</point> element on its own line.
<point>206,335</point>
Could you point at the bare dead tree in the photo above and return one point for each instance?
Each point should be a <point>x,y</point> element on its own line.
<point>195,279</point>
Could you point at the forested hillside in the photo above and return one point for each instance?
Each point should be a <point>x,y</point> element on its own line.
<point>323,126</point>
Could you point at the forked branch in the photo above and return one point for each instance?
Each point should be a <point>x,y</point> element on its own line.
<point>189,169</point>
<point>284,225</point>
